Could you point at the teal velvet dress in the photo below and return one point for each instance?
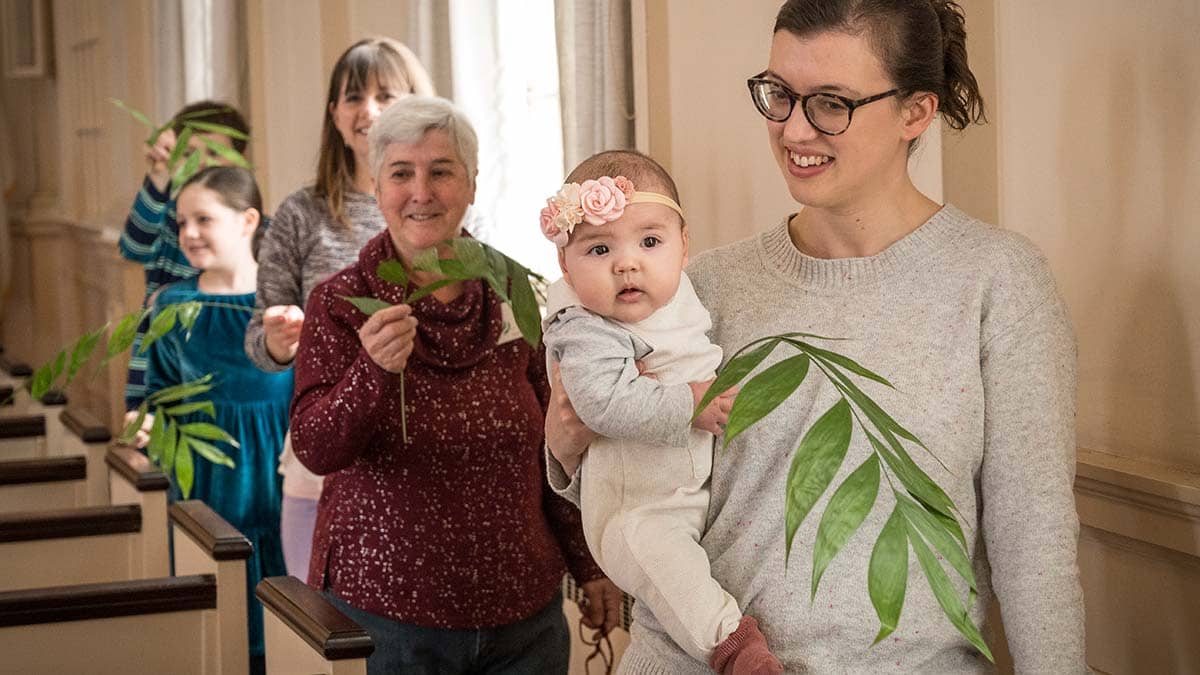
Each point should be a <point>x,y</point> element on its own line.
<point>251,405</point>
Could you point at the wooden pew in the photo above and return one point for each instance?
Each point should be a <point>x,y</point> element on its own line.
<point>47,483</point>
<point>125,540</point>
<point>73,475</point>
<point>18,438</point>
<point>194,622</point>
<point>206,544</point>
<point>22,436</point>
<point>305,633</point>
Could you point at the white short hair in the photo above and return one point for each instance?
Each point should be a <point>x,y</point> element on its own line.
<point>410,118</point>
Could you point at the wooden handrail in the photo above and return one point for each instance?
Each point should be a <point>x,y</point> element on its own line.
<point>136,468</point>
<point>23,426</point>
<point>46,470</point>
<point>88,521</point>
<point>105,600</point>
<point>210,531</point>
<point>81,423</point>
<point>314,618</point>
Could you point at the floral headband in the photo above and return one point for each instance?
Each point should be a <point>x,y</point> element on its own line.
<point>595,202</point>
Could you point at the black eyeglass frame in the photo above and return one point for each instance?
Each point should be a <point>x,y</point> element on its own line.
<point>793,97</point>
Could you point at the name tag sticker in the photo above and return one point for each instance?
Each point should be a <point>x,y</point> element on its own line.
<point>509,330</point>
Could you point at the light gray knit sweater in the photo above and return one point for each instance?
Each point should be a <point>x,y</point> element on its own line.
<point>965,320</point>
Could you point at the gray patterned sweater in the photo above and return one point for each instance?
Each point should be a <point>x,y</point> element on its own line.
<point>303,247</point>
<point>965,320</point>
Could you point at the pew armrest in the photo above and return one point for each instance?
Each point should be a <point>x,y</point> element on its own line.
<point>332,634</point>
<point>86,427</point>
<point>136,469</point>
<point>212,533</point>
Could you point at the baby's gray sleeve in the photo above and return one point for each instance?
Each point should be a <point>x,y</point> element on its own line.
<point>596,361</point>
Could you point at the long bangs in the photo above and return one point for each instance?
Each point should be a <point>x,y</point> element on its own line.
<point>373,62</point>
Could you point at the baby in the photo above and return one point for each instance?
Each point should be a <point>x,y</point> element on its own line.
<point>624,298</point>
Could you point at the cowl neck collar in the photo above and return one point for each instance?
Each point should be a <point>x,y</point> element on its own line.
<point>453,335</point>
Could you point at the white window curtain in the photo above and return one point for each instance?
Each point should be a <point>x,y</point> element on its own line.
<point>546,83</point>
<point>505,77</point>
<point>199,54</point>
<point>596,77</point>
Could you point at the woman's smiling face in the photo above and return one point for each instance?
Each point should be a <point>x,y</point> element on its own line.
<point>830,171</point>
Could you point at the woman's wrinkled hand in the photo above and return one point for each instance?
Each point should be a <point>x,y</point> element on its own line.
<point>388,337</point>
<point>714,416</point>
<point>602,605</point>
<point>281,328</point>
<point>566,435</point>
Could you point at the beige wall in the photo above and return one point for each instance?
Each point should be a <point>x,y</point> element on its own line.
<point>1093,153</point>
<point>691,59</point>
<point>1100,157</point>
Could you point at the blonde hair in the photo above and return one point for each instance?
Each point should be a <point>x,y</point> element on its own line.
<point>388,62</point>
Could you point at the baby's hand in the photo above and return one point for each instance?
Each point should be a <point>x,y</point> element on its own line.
<point>712,419</point>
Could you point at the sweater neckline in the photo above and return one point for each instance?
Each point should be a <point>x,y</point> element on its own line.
<point>840,275</point>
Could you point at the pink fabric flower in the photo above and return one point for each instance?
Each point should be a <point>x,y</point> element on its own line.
<point>602,201</point>
<point>551,226</point>
<point>624,185</point>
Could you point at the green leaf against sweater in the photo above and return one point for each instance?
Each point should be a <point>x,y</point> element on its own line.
<point>367,306</point>
<point>814,465</point>
<point>393,272</point>
<point>887,575</point>
<point>846,511</point>
<point>936,533</point>
<point>735,369</point>
<point>763,393</point>
<point>945,593</point>
<point>524,304</point>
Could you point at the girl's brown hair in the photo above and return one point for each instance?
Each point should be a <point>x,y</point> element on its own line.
<point>389,63</point>
<point>921,43</point>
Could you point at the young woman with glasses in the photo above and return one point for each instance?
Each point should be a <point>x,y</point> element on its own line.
<point>962,317</point>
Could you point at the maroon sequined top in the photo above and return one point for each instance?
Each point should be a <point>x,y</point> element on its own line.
<point>456,528</point>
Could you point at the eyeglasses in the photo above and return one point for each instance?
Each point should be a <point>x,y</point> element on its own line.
<point>828,113</point>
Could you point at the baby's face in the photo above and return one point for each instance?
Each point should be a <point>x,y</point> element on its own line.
<point>627,269</point>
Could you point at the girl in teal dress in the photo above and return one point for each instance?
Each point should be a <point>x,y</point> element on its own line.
<point>219,211</point>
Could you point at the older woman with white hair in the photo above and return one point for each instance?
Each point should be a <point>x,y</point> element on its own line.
<point>445,543</point>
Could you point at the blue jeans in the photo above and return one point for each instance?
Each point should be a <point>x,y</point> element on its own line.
<point>540,644</point>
